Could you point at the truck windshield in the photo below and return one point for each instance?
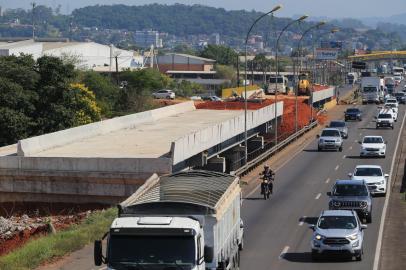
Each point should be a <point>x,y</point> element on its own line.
<point>337,222</point>
<point>350,190</point>
<point>151,250</point>
<point>273,80</point>
<point>370,89</point>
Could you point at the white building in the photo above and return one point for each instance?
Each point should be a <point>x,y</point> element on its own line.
<point>85,55</point>
<point>146,38</point>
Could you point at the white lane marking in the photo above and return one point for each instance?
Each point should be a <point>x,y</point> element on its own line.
<point>385,206</point>
<point>355,140</point>
<point>280,167</point>
<point>344,156</point>
<point>350,148</point>
<point>360,134</point>
<point>318,196</point>
<point>336,168</point>
<point>302,220</point>
<point>284,251</point>
<point>103,268</point>
<point>327,180</point>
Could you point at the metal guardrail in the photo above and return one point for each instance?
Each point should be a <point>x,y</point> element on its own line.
<point>254,162</point>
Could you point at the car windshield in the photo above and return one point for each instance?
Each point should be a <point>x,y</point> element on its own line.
<point>399,94</point>
<point>350,190</point>
<point>152,250</point>
<point>368,172</point>
<point>337,222</point>
<point>352,110</point>
<point>337,124</point>
<point>373,140</point>
<point>385,116</point>
<point>330,133</point>
<point>391,101</point>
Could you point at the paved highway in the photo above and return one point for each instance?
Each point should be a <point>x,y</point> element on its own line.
<point>277,234</point>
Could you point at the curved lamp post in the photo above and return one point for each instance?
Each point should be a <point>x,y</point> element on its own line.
<point>304,17</point>
<point>298,71</point>
<point>278,7</point>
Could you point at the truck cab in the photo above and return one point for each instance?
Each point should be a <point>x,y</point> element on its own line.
<point>156,243</point>
<point>188,220</point>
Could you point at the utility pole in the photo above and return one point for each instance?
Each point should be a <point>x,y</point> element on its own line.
<point>117,76</point>
<point>33,4</point>
<point>238,70</point>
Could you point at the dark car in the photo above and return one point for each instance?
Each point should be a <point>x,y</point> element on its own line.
<point>341,126</point>
<point>353,114</point>
<point>352,195</point>
<point>400,97</point>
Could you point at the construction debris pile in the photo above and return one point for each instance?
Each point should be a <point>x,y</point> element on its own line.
<point>17,230</point>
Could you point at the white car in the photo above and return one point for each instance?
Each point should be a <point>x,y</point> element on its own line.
<point>373,176</point>
<point>165,93</point>
<point>373,146</point>
<point>391,110</point>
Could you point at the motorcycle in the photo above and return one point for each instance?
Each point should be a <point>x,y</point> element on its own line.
<point>265,188</point>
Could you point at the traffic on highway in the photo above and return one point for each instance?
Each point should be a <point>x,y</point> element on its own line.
<point>339,194</point>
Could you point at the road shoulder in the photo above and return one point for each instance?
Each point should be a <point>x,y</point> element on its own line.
<point>393,251</point>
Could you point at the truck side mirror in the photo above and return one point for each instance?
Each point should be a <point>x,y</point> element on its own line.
<point>312,227</point>
<point>317,136</point>
<point>329,193</point>
<point>98,253</point>
<point>350,175</point>
<point>364,226</point>
<point>208,254</point>
<point>386,175</point>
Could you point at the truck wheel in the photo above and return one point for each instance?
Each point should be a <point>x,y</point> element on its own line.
<point>340,149</point>
<point>319,148</point>
<point>392,127</point>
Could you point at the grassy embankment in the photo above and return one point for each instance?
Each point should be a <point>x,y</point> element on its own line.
<point>47,248</point>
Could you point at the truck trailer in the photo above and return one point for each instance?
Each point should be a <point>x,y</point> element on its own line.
<point>372,89</point>
<point>188,220</point>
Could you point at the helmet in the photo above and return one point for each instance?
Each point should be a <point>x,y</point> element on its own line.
<point>266,166</point>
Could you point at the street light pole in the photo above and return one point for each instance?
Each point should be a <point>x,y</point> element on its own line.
<point>245,83</point>
<point>277,72</point>
<point>300,67</point>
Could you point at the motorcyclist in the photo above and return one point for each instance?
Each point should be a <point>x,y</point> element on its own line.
<point>268,174</point>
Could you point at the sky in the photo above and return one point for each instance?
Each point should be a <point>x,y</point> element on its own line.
<point>318,8</point>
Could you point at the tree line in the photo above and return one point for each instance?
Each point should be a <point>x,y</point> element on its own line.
<point>49,94</point>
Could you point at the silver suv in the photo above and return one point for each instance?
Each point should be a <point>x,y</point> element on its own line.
<point>338,232</point>
<point>352,195</point>
<point>330,139</point>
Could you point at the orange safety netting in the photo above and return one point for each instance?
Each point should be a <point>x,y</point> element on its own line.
<point>233,105</point>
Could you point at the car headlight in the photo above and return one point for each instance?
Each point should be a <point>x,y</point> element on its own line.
<point>353,236</point>
<point>319,237</point>
<point>363,204</point>
<point>321,141</point>
<point>355,244</point>
<point>382,182</point>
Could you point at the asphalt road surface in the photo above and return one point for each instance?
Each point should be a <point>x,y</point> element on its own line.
<point>276,231</point>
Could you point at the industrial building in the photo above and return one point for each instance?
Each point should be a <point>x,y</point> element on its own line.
<point>85,55</point>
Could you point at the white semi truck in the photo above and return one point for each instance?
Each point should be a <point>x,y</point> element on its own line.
<point>372,89</point>
<point>188,220</point>
<point>279,84</point>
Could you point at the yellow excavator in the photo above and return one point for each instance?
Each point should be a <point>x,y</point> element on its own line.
<point>304,86</point>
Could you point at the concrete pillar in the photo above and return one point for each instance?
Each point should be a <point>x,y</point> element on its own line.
<point>217,164</point>
<point>234,158</point>
<point>255,143</point>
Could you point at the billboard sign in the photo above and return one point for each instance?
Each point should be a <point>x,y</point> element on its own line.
<point>326,54</point>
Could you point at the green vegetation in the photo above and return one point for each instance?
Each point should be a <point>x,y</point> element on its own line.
<point>40,250</point>
<point>222,54</point>
<point>48,95</point>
